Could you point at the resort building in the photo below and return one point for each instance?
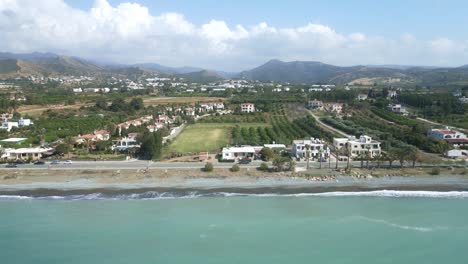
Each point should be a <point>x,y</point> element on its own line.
<point>316,148</point>
<point>247,108</point>
<point>242,152</point>
<point>360,146</point>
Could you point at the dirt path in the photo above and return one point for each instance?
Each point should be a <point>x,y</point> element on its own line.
<point>327,127</point>
<point>439,124</point>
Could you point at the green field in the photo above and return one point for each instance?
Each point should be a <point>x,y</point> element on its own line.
<point>205,137</point>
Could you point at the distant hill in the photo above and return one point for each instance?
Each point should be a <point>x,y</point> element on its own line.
<point>166,69</point>
<point>317,72</point>
<point>295,72</point>
<point>201,76</point>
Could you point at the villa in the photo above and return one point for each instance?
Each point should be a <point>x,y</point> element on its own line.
<point>317,148</point>
<point>126,143</point>
<point>334,107</point>
<point>26,153</point>
<point>97,135</point>
<point>247,108</point>
<point>360,146</point>
<point>315,104</point>
<point>452,137</point>
<point>242,152</point>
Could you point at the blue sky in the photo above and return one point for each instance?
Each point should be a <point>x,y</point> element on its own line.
<point>241,34</point>
<point>423,18</point>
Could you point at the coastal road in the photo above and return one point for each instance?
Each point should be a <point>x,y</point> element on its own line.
<point>138,164</point>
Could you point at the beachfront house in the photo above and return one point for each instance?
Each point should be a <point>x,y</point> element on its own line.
<point>26,153</point>
<point>242,152</point>
<point>363,146</point>
<point>312,148</point>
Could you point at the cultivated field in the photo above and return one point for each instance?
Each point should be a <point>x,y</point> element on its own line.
<point>205,137</point>
<point>149,101</point>
<point>37,110</point>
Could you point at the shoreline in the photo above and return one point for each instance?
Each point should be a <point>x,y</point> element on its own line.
<point>182,182</point>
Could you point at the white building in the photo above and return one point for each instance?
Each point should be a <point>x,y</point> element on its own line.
<point>24,122</point>
<point>247,108</point>
<point>126,143</point>
<point>235,153</point>
<point>362,97</point>
<point>26,153</point>
<point>447,133</point>
<point>397,109</point>
<point>9,125</point>
<point>456,153</point>
<point>360,146</point>
<point>317,148</point>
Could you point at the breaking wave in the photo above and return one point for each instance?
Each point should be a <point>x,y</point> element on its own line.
<point>155,195</point>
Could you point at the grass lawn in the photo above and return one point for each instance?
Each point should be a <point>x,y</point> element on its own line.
<point>205,137</point>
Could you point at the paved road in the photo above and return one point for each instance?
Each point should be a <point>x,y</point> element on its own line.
<point>123,165</point>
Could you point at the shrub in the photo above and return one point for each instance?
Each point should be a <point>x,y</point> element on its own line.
<point>435,171</point>
<point>263,167</point>
<point>235,168</point>
<point>208,167</point>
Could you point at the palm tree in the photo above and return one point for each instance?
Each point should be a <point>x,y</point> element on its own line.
<point>391,157</point>
<point>348,154</point>
<point>307,146</point>
<point>368,156</point>
<point>361,158</point>
<point>320,157</point>
<point>69,141</point>
<point>337,155</point>
<point>379,158</point>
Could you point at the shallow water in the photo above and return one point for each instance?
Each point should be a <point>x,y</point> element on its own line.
<point>332,228</point>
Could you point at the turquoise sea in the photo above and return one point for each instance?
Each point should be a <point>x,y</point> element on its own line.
<point>400,228</point>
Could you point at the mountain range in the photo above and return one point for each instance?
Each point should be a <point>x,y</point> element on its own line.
<point>307,72</point>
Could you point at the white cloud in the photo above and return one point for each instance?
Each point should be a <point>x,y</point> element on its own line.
<point>129,33</point>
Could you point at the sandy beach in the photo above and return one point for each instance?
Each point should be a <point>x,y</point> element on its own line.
<point>55,182</point>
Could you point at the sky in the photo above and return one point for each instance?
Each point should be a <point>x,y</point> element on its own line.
<point>237,35</point>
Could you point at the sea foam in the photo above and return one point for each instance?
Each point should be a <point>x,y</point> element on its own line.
<point>154,195</point>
